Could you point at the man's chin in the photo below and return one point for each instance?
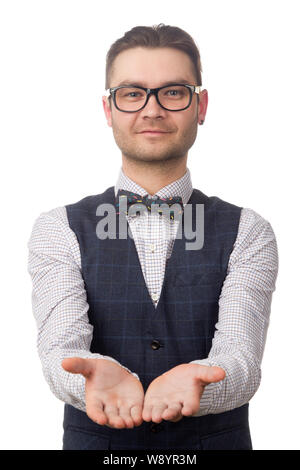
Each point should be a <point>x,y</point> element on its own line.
<point>149,158</point>
<point>152,155</point>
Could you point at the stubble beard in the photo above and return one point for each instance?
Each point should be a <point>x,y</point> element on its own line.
<point>155,152</point>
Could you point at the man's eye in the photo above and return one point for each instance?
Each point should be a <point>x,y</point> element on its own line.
<point>174,93</point>
<point>133,94</point>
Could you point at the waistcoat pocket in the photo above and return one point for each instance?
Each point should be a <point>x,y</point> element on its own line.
<point>205,278</point>
<point>235,439</point>
<point>75,438</point>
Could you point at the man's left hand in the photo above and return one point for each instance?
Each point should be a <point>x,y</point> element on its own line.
<point>177,393</point>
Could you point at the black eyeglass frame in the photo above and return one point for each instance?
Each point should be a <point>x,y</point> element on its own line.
<point>153,91</point>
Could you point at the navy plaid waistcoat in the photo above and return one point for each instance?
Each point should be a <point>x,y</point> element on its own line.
<point>148,340</point>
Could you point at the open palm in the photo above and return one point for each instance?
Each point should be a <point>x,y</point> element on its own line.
<point>114,397</point>
<point>177,393</point>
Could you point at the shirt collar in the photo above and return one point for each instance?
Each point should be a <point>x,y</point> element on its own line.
<point>181,187</point>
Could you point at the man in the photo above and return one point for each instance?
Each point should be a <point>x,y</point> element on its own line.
<point>152,345</point>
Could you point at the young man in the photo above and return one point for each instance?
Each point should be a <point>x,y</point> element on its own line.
<point>152,345</point>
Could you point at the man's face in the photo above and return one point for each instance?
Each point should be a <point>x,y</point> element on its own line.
<point>153,68</point>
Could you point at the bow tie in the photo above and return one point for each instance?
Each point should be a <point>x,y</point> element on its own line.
<point>145,201</point>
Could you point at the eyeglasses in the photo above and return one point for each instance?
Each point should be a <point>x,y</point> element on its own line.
<point>173,97</point>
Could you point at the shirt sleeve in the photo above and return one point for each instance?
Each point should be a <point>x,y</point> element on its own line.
<point>60,305</point>
<point>244,311</point>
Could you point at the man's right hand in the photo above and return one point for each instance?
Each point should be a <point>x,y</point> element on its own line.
<point>114,397</point>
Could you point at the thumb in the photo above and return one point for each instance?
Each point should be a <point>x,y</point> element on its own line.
<point>78,365</point>
<point>210,374</point>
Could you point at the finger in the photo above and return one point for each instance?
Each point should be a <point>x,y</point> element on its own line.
<point>136,414</point>
<point>78,365</point>
<point>191,402</point>
<point>147,412</point>
<point>114,419</point>
<point>124,413</point>
<point>96,413</point>
<point>176,419</point>
<point>211,374</point>
<point>157,412</point>
<point>173,412</point>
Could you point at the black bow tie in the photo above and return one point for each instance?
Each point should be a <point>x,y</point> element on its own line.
<point>134,198</point>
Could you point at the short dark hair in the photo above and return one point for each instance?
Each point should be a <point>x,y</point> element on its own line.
<point>155,37</point>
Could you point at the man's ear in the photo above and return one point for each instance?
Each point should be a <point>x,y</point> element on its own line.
<point>107,109</point>
<point>202,106</point>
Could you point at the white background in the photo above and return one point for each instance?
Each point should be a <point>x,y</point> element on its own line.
<point>56,148</point>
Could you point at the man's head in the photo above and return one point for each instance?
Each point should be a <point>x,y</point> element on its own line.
<point>151,57</point>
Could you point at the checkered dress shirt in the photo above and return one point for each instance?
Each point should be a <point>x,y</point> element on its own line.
<point>60,305</point>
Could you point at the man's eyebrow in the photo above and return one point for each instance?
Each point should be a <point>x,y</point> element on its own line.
<point>143,84</point>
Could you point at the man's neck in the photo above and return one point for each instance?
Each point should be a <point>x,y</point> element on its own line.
<point>154,177</point>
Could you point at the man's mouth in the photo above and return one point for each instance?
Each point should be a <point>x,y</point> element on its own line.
<point>153,132</point>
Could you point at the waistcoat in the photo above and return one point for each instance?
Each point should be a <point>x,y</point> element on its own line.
<point>151,340</point>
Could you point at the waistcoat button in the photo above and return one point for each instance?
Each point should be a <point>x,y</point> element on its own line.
<point>155,344</point>
<point>156,427</point>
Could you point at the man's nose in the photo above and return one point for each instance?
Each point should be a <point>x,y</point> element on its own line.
<point>152,108</point>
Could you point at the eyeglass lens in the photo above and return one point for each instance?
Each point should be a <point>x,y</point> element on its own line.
<point>172,98</point>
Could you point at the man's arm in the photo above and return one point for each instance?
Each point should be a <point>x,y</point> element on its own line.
<point>244,310</point>
<point>231,374</point>
<point>60,305</point>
